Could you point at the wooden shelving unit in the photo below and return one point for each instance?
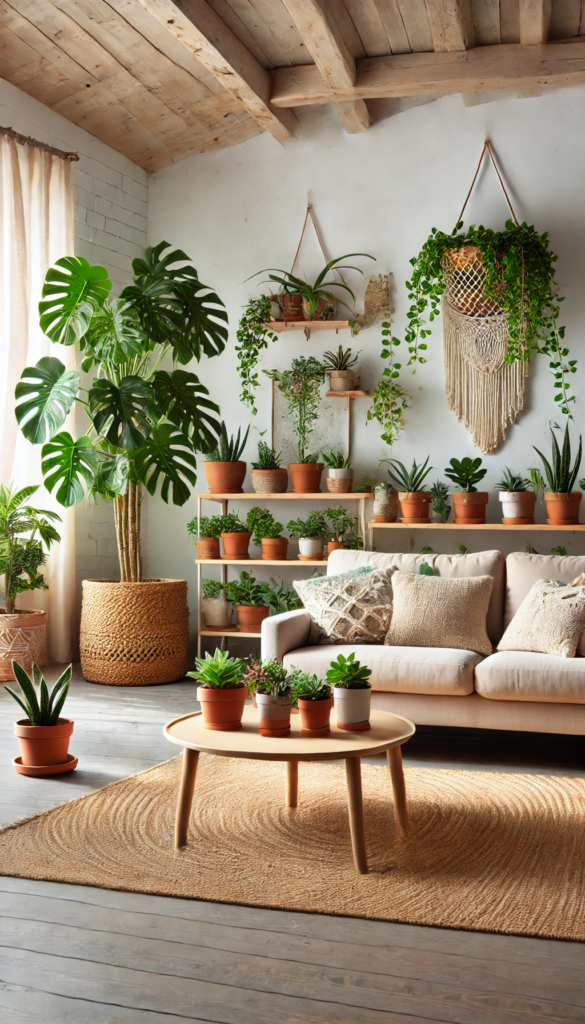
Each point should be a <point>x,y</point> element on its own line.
<point>284,326</point>
<point>478,526</point>
<point>358,393</point>
<point>259,561</point>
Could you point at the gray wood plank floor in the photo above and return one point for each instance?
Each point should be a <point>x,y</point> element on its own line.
<point>77,955</point>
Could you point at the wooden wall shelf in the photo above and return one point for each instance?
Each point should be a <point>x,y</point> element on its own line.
<point>348,394</point>
<point>283,327</point>
<point>291,496</point>
<point>259,561</point>
<point>478,526</point>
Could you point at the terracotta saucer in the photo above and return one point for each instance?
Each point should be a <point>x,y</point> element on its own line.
<point>47,769</point>
<point>414,522</point>
<point>518,522</point>
<point>469,522</point>
<point>562,522</point>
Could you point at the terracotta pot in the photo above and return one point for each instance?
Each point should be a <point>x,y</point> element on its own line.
<point>562,509</point>
<point>250,617</point>
<point>339,481</point>
<point>306,477</point>
<point>341,380</point>
<point>321,313</point>
<point>217,612</point>
<point>440,517</point>
<point>269,481</point>
<point>225,477</point>
<point>414,506</point>
<point>274,549</point>
<point>274,715</point>
<point>315,716</point>
<point>352,708</point>
<point>311,547</point>
<point>222,709</point>
<point>292,307</point>
<point>470,506</point>
<point>518,505</point>
<point>334,545</point>
<point>42,745</point>
<point>207,547</point>
<point>22,637</point>
<point>235,545</point>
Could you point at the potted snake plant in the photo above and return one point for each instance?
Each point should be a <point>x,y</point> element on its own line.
<point>518,499</point>
<point>351,693</point>
<point>414,501</point>
<point>562,502</point>
<point>43,735</point>
<point>222,691</point>
<point>470,504</point>
<point>224,469</point>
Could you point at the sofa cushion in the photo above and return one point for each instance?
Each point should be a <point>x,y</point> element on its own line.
<point>354,607</point>
<point>428,611</point>
<point>550,620</point>
<point>524,675</point>
<point>523,570</point>
<point>480,563</point>
<point>438,670</point>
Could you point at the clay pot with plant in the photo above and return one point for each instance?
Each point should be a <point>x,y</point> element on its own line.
<point>26,535</point>
<point>235,537</point>
<point>314,699</point>
<point>224,468</point>
<point>414,502</point>
<point>439,509</point>
<point>267,533</point>
<point>311,533</point>
<point>562,502</point>
<point>206,533</point>
<point>385,507</point>
<point>470,504</point>
<point>145,427</point>
<point>351,693</point>
<point>518,499</point>
<point>343,531</point>
<point>339,472</point>
<point>268,476</point>
<point>222,691</point>
<point>43,735</point>
<point>216,609</point>
<point>301,387</point>
<point>338,367</point>
<point>268,681</point>
<point>317,301</point>
<point>252,600</point>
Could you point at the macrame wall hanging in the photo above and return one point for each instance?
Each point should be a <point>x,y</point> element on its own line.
<point>482,390</point>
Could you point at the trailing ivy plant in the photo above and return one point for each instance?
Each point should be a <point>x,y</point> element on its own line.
<point>301,386</point>
<point>253,335</point>
<point>389,399</point>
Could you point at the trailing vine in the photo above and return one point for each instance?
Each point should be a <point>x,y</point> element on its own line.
<point>389,399</point>
<point>253,335</point>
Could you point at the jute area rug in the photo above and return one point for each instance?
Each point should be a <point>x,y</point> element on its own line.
<point>484,851</point>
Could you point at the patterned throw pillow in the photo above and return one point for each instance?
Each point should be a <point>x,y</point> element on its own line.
<point>431,611</point>
<point>550,620</point>
<point>354,607</point>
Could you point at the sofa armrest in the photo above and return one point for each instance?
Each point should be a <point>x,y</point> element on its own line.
<point>286,632</point>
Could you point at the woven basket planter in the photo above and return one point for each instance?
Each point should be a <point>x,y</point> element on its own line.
<point>134,634</point>
<point>22,638</point>
<point>270,481</point>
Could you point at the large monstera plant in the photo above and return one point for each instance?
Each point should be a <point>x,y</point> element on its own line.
<point>145,424</point>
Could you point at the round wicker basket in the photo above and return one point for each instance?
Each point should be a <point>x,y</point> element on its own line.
<point>22,637</point>
<point>134,634</point>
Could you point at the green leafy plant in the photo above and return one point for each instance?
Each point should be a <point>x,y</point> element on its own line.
<point>559,550</point>
<point>408,480</point>
<point>262,525</point>
<point>268,458</point>
<point>212,589</point>
<point>530,550</point>
<point>301,387</point>
<point>560,475</point>
<point>425,569</point>
<point>45,706</point>
<point>427,550</point>
<point>465,473</point>
<point>218,671</point>
<point>344,526</point>
<point>537,482</point>
<point>230,448</point>
<point>145,424</point>
<point>269,677</point>
<point>207,526</point>
<point>365,485</point>
<point>247,590</point>
<point>462,549</point>
<point>335,460</point>
<point>348,673</point>
<point>231,523</point>
<point>440,494</point>
<point>512,482</point>
<point>283,599</point>
<point>308,687</point>
<point>253,334</point>
<point>311,528</point>
<point>26,535</point>
<point>390,399</point>
<point>343,359</point>
<point>319,294</point>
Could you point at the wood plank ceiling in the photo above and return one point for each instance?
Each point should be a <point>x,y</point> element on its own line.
<point>159,80</point>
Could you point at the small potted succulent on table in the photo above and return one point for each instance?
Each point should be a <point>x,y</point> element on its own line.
<point>269,682</point>
<point>470,504</point>
<point>562,502</point>
<point>351,692</point>
<point>222,691</point>
<point>206,533</point>
<point>268,476</point>
<point>344,530</point>
<point>340,474</point>
<point>414,502</point>
<point>224,469</point>
<point>439,509</point>
<point>43,735</point>
<point>338,367</point>
<point>314,699</point>
<point>217,610</point>
<point>235,536</point>
<point>267,533</point>
<point>311,533</point>
<point>252,601</point>
<point>518,499</point>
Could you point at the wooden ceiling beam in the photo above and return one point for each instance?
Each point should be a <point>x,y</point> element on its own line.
<point>482,69</point>
<point>451,24</point>
<point>326,45</point>
<point>196,25</point>
<point>535,18</point>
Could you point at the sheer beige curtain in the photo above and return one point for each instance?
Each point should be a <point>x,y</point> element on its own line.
<point>36,216</point>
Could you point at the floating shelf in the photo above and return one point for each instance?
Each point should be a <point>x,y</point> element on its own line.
<point>348,394</point>
<point>226,632</point>
<point>258,561</point>
<point>282,326</point>
<point>291,496</point>
<point>478,526</point>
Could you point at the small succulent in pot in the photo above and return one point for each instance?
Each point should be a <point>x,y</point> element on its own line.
<point>206,532</point>
<point>268,475</point>
<point>217,611</point>
<point>351,692</point>
<point>314,698</point>
<point>470,504</point>
<point>414,501</point>
<point>224,469</point>
<point>518,499</point>
<point>440,508</point>
<point>267,533</point>
<point>221,691</point>
<point>311,533</point>
<point>252,600</point>
<point>562,502</point>
<point>340,473</point>
<point>235,536</point>
<point>43,735</point>
<point>344,530</point>
<point>269,681</point>
<point>338,367</point>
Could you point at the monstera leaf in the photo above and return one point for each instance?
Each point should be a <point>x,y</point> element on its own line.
<point>179,397</point>
<point>70,466</point>
<point>167,456</point>
<point>72,291</point>
<point>111,476</point>
<point>115,334</point>
<point>124,413</point>
<point>45,394</point>
<point>204,329</point>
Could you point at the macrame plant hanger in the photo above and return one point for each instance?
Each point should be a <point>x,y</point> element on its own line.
<point>482,390</point>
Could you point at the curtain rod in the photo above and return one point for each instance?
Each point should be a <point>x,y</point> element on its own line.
<point>26,140</point>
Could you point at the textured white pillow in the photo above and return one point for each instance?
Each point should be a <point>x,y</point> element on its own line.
<point>550,620</point>
<point>354,607</point>
<point>431,611</point>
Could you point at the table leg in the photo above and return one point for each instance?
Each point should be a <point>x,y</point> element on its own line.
<point>190,759</point>
<point>394,755</point>
<point>356,813</point>
<point>292,783</point>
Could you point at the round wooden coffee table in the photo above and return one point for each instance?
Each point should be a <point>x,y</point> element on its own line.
<point>388,733</point>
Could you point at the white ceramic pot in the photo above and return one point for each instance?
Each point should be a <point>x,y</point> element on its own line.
<point>312,547</point>
<point>352,708</point>
<point>340,481</point>
<point>518,504</point>
<point>274,715</point>
<point>217,611</point>
<point>341,474</point>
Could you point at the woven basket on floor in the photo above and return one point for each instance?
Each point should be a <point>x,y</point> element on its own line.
<point>134,634</point>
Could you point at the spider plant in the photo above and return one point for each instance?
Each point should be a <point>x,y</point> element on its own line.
<point>512,482</point>
<point>320,291</point>
<point>405,479</point>
<point>561,476</point>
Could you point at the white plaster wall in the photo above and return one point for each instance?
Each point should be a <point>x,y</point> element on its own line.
<point>241,210</point>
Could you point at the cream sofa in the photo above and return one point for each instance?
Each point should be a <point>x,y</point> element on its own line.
<point>442,686</point>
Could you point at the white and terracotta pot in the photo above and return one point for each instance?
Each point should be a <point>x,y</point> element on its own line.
<point>217,612</point>
<point>340,481</point>
<point>22,638</point>
<point>342,380</point>
<point>274,715</point>
<point>311,547</point>
<point>518,507</point>
<point>352,708</point>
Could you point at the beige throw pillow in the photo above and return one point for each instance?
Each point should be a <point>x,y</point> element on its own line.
<point>354,607</point>
<point>550,620</point>
<point>430,611</point>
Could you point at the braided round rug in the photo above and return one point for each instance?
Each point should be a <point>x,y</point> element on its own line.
<point>484,851</point>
